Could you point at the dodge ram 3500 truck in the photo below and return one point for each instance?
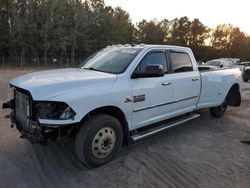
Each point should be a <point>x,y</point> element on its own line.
<point>119,95</point>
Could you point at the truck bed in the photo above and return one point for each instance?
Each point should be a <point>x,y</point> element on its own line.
<point>215,85</point>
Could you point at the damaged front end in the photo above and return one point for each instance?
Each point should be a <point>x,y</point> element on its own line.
<point>39,120</point>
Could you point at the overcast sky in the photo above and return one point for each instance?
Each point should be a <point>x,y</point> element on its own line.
<point>210,12</point>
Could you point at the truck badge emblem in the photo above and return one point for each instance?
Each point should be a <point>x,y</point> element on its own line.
<point>139,98</point>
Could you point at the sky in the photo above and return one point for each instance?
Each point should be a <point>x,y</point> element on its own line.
<point>210,12</point>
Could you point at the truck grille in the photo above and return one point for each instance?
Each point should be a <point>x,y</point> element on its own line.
<point>22,108</point>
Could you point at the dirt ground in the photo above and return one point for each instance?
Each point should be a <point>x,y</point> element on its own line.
<point>205,152</point>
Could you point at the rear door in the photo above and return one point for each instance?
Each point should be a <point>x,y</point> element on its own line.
<point>151,96</point>
<point>186,82</point>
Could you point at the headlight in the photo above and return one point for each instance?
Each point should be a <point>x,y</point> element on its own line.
<point>54,110</point>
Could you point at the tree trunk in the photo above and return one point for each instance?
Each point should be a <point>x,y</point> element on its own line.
<point>73,46</point>
<point>61,58</point>
<point>22,57</point>
<point>3,61</point>
<point>45,45</point>
<point>45,56</point>
<point>73,54</point>
<point>38,62</point>
<point>21,60</point>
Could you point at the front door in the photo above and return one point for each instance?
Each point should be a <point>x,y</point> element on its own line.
<point>151,96</point>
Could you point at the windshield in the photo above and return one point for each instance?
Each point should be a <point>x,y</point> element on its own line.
<point>111,60</point>
<point>214,63</point>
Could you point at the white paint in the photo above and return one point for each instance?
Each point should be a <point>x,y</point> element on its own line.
<point>86,90</point>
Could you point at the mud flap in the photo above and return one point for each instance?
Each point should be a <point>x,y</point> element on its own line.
<point>234,97</point>
<point>245,142</point>
<point>10,104</point>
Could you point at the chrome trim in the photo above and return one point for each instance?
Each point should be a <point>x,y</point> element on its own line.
<point>163,127</point>
<point>166,83</point>
<point>219,69</point>
<point>163,104</point>
<point>195,79</point>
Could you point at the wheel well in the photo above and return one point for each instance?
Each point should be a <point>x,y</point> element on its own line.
<point>112,111</point>
<point>233,97</point>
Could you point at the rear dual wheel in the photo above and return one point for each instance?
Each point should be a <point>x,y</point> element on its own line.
<point>219,111</point>
<point>99,140</point>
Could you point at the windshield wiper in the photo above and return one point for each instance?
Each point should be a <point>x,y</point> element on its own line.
<point>91,68</point>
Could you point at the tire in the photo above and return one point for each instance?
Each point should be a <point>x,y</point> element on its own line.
<point>99,140</point>
<point>245,80</point>
<point>219,111</point>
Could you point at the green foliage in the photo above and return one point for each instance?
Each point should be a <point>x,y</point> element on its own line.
<point>37,31</point>
<point>198,33</point>
<point>230,41</point>
<point>180,31</point>
<point>224,41</point>
<point>149,32</point>
<point>42,30</point>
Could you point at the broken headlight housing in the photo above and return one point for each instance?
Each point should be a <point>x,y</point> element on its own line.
<point>54,110</point>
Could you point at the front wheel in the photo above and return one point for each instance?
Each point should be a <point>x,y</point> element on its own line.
<point>219,111</point>
<point>99,140</point>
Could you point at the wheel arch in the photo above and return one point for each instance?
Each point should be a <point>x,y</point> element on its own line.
<point>112,111</point>
<point>233,97</point>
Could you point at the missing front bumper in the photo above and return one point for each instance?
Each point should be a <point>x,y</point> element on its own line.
<point>33,132</point>
<point>40,133</point>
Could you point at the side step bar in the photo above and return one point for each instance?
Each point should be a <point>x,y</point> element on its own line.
<point>141,135</point>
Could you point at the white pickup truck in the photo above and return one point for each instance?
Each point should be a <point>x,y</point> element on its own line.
<point>118,95</point>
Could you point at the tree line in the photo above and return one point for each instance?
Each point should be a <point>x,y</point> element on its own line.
<point>46,32</point>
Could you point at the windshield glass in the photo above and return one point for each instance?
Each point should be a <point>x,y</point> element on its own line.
<point>214,63</point>
<point>111,60</point>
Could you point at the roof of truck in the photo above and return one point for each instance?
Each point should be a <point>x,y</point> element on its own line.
<point>146,46</point>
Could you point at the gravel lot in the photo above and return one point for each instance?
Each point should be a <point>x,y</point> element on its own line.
<point>205,152</point>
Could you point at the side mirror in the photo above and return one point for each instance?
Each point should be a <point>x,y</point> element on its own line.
<point>221,65</point>
<point>152,70</point>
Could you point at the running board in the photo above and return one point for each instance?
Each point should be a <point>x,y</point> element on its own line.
<point>141,135</point>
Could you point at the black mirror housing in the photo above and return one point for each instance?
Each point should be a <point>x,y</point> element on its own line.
<point>152,70</point>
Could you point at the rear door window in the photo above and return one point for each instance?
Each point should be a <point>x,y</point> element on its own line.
<point>180,62</point>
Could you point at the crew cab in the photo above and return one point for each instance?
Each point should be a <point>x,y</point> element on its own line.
<point>120,94</point>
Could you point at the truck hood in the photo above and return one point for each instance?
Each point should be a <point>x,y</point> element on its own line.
<point>45,85</point>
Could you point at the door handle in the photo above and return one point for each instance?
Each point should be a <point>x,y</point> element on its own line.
<point>195,79</point>
<point>166,83</point>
